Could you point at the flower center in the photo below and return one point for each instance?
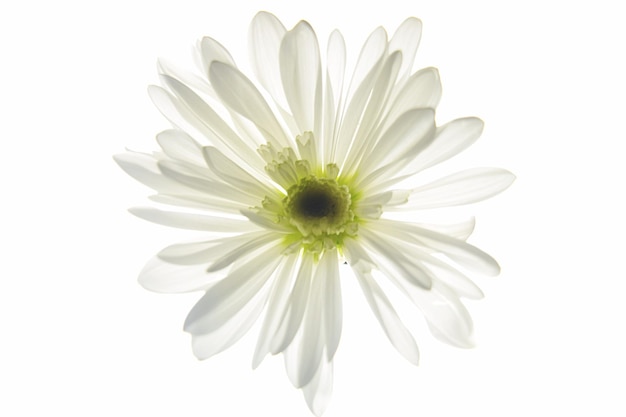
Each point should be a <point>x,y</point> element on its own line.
<point>318,206</point>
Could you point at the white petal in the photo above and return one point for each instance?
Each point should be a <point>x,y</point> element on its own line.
<point>396,259</point>
<point>300,70</point>
<point>458,250</point>
<point>333,102</point>
<point>230,331</point>
<point>333,317</point>
<point>422,89</point>
<point>192,221</point>
<point>277,304</point>
<point>464,187</point>
<point>311,346</point>
<point>211,50</point>
<point>209,187</point>
<point>246,249</point>
<point>203,202</point>
<point>236,176</point>
<point>386,315</point>
<point>409,135</point>
<point>265,221</point>
<point>163,277</point>
<point>231,294</point>
<point>448,319</point>
<point>238,92</point>
<point>367,136</point>
<point>371,59</point>
<point>206,120</point>
<point>179,145</point>
<point>265,35</point>
<point>317,393</point>
<point>374,48</point>
<point>450,139</point>
<point>406,39</point>
<point>294,312</point>
<point>207,251</point>
<point>165,67</point>
<point>144,169</point>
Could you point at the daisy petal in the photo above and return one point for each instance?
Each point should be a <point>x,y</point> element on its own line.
<point>450,139</point>
<point>191,221</point>
<point>277,304</point>
<point>179,145</point>
<point>395,330</point>
<point>144,169</point>
<point>311,347</point>
<point>317,393</point>
<point>301,76</point>
<point>211,50</point>
<point>163,277</point>
<point>224,299</point>
<point>206,345</point>
<point>265,35</point>
<point>329,265</point>
<point>335,72</point>
<point>464,187</point>
<point>406,39</point>
<point>296,307</point>
<point>238,92</point>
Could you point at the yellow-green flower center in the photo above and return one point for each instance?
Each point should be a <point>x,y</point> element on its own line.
<point>318,206</point>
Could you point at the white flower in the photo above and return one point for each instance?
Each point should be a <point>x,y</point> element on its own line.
<point>291,179</point>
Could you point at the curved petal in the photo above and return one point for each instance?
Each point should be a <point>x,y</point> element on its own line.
<point>144,168</point>
<point>265,35</point>
<point>230,331</point>
<point>464,187</point>
<point>317,393</point>
<point>164,277</point>
<point>238,93</point>
<point>333,316</point>
<point>406,39</point>
<point>277,304</point>
<point>386,315</point>
<point>300,71</point>
<point>179,145</point>
<point>192,221</point>
<point>224,299</point>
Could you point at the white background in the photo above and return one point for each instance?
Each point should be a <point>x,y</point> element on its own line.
<point>81,338</point>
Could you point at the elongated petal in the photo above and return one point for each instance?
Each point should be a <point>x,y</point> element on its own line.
<point>179,145</point>
<point>333,317</point>
<point>265,35</point>
<point>406,39</point>
<point>458,250</point>
<point>206,251</point>
<point>300,72</point>
<point>211,50</point>
<point>232,293</point>
<point>164,277</point>
<point>144,169</point>
<point>192,221</point>
<point>386,315</point>
<point>450,140</point>
<point>278,300</point>
<point>464,187</point>
<point>333,103</point>
<point>317,393</point>
<point>230,331</point>
<point>238,92</point>
<point>294,312</point>
<point>206,120</point>
<point>408,268</point>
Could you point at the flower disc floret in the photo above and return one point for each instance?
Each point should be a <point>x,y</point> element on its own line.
<point>319,207</point>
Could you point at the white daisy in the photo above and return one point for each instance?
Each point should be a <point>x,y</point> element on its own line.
<point>290,179</point>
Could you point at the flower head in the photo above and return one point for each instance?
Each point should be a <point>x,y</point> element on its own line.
<point>289,180</point>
